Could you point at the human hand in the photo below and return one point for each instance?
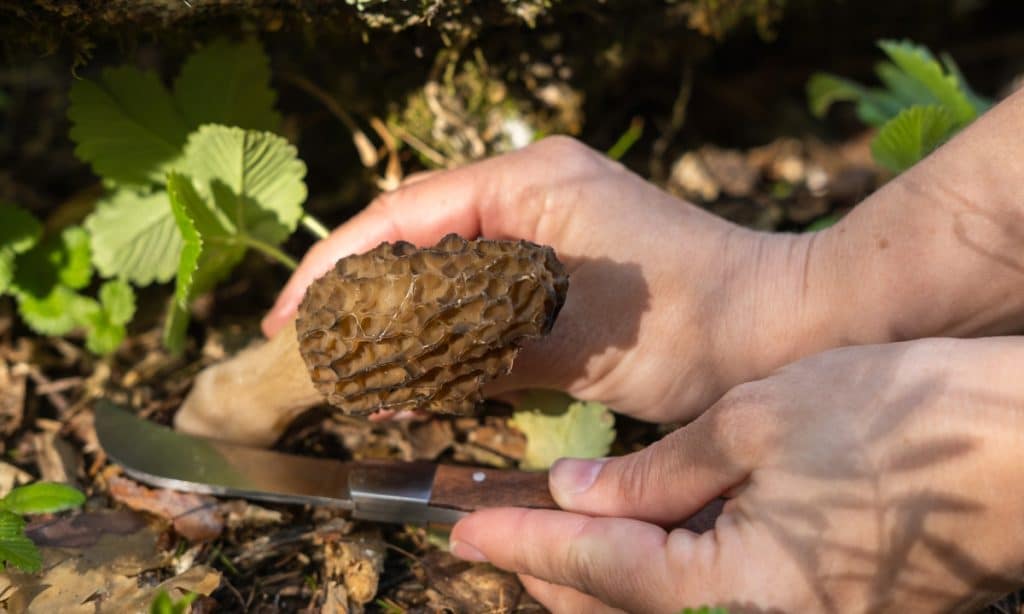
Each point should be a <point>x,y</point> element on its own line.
<point>872,478</point>
<point>668,305</point>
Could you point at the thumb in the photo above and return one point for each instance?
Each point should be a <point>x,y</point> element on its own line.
<point>672,479</point>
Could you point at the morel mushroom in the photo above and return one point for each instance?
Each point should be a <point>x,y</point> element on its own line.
<point>395,328</point>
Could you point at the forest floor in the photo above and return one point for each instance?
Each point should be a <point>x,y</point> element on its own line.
<point>129,541</point>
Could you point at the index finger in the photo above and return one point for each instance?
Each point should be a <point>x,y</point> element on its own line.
<point>420,213</point>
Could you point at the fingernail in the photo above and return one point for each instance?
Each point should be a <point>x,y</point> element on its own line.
<point>573,476</point>
<point>467,552</point>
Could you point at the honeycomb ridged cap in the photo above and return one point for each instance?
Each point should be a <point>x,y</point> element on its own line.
<point>406,328</point>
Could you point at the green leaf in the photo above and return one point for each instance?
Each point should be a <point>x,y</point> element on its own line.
<point>211,250</point>
<point>6,270</point>
<point>213,246</point>
<point>227,83</point>
<point>74,262</point>
<point>118,301</point>
<point>980,103</point>
<point>704,609</point>
<point>55,313</point>
<point>911,136</point>
<point>918,63</point>
<point>42,498</point>
<point>103,336</point>
<point>134,237</point>
<point>823,222</point>
<point>824,90</point>
<point>254,178</point>
<point>19,229</point>
<point>15,548</point>
<point>183,196</point>
<point>126,126</point>
<point>163,604</point>
<point>555,427</point>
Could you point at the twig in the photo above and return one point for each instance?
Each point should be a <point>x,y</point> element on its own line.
<point>365,148</point>
<point>675,124</point>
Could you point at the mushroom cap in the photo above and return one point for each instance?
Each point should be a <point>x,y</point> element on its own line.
<point>406,328</point>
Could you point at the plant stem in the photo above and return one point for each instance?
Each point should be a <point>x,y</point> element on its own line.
<point>271,251</point>
<point>314,226</point>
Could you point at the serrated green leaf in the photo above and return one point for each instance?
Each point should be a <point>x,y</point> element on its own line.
<point>980,103</point>
<point>118,300</point>
<point>15,548</point>
<point>212,246</point>
<point>42,498</point>
<point>180,191</point>
<point>824,90</point>
<point>911,136</point>
<point>134,237</point>
<point>126,126</point>
<point>704,609</point>
<point>918,63</point>
<point>75,260</point>
<point>54,313</point>
<point>227,83</point>
<point>19,229</point>
<point>254,178</point>
<point>556,427</point>
<point>211,250</point>
<point>905,89</point>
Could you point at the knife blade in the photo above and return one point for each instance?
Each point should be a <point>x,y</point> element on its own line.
<point>383,491</point>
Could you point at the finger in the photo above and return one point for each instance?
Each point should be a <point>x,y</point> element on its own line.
<point>420,212</point>
<point>674,478</point>
<point>558,599</point>
<point>624,563</point>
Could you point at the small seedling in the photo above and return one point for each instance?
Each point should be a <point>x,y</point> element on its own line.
<point>16,549</point>
<point>46,275</point>
<point>163,604</point>
<point>922,102</point>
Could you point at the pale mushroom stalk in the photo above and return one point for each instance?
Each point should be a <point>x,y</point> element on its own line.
<point>397,328</point>
<point>254,396</point>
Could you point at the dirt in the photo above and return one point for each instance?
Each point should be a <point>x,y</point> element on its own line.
<point>761,160</point>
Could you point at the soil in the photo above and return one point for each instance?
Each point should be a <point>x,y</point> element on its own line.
<point>683,81</point>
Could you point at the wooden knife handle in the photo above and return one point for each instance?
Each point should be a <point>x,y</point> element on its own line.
<point>473,488</point>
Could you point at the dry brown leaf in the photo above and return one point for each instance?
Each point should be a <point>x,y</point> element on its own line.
<point>195,517</point>
<point>11,476</point>
<point>12,397</point>
<point>429,439</point>
<point>501,438</point>
<point>89,561</point>
<point>199,579</point>
<point>357,560</point>
<point>458,586</point>
<point>57,460</point>
<point>336,599</point>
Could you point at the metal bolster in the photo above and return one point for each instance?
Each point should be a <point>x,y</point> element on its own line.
<point>390,492</point>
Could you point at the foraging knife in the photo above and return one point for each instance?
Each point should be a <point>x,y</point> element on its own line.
<point>383,491</point>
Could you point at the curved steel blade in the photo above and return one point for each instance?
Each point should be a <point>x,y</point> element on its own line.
<point>160,456</point>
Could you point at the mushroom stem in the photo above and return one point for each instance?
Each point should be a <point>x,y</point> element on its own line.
<point>252,397</point>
